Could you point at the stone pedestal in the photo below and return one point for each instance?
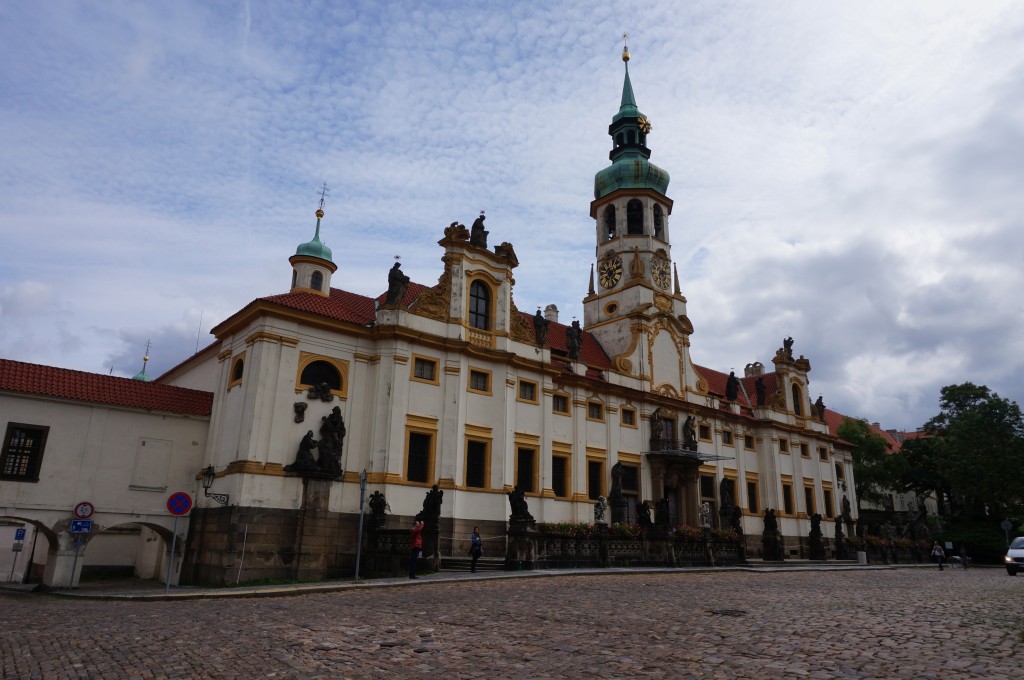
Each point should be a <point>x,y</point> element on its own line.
<point>771,545</point>
<point>618,508</point>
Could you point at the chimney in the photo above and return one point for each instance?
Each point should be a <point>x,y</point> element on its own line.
<point>551,313</point>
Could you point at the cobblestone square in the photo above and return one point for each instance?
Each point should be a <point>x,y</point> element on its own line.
<point>906,623</point>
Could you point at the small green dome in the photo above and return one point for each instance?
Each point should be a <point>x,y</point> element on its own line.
<point>315,248</point>
<point>630,172</point>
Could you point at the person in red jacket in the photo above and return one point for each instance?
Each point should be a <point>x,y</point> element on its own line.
<point>416,542</point>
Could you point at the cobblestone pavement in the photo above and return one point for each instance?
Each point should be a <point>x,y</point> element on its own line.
<point>912,623</point>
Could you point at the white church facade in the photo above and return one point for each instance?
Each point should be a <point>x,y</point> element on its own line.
<point>450,385</point>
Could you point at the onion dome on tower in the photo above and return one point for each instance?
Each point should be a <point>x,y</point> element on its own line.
<point>630,168</point>
<point>312,265</point>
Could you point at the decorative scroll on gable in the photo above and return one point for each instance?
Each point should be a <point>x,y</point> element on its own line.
<point>435,303</point>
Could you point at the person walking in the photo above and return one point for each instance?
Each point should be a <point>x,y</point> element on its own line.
<point>476,548</point>
<point>939,554</point>
<point>416,543</point>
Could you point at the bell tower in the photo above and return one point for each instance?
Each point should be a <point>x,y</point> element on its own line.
<point>635,279</point>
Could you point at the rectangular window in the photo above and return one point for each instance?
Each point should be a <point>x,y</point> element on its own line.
<point>595,479</point>
<point>809,500</point>
<point>707,486</point>
<point>526,468</point>
<point>480,381</point>
<point>748,442</point>
<point>23,452</point>
<point>787,499</point>
<point>783,446</point>
<point>560,404</point>
<point>528,391</point>
<point>752,504</point>
<point>822,453</point>
<point>726,438</point>
<point>424,370</point>
<point>418,466</point>
<point>595,411</point>
<point>476,464</point>
<point>829,513</point>
<point>628,416</point>
<point>805,451</point>
<point>630,480</point>
<point>560,476</point>
<point>704,432</point>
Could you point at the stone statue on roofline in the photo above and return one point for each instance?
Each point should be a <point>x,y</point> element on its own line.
<point>732,387</point>
<point>540,328</point>
<point>761,390</point>
<point>477,233</point>
<point>398,283</point>
<point>574,340</point>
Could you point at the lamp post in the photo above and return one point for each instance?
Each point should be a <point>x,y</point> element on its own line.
<point>208,476</point>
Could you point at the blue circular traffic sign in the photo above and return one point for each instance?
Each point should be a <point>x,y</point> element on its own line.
<point>179,503</point>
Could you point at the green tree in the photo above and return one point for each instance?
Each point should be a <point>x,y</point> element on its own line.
<point>872,473</point>
<point>978,449</point>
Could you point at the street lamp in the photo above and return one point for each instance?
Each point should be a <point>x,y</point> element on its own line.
<point>208,475</point>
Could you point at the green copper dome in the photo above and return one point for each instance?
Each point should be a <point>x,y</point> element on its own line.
<point>630,168</point>
<point>630,173</point>
<point>315,248</point>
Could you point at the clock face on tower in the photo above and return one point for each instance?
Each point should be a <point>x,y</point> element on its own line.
<point>609,271</point>
<point>661,271</point>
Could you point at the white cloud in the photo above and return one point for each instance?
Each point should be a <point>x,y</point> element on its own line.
<point>844,174</point>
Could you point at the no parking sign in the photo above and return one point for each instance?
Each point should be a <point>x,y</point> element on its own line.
<point>179,503</point>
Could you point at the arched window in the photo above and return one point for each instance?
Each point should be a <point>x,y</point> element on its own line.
<point>316,281</point>
<point>609,221</point>
<point>619,140</point>
<point>798,401</point>
<point>659,223</point>
<point>319,372</point>
<point>632,137</point>
<point>479,306</point>
<point>295,278</point>
<point>634,217</point>
<point>236,372</point>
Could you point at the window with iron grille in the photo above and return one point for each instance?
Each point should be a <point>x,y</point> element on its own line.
<point>23,452</point>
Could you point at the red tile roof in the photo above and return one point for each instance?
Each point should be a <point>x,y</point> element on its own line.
<point>64,383</point>
<point>834,420</point>
<point>747,395</point>
<point>591,352</point>
<point>360,309</point>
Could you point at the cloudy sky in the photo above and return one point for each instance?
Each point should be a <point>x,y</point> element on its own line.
<point>850,174</point>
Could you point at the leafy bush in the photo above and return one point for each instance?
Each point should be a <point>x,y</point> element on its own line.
<point>625,530</point>
<point>685,532</point>
<point>725,535</point>
<point>578,530</point>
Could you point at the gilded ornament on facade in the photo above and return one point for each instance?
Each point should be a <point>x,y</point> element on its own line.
<point>663,303</point>
<point>520,327</point>
<point>435,303</point>
<point>636,265</point>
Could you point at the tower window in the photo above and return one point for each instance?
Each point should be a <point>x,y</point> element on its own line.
<point>797,401</point>
<point>632,136</point>
<point>634,217</point>
<point>659,223</point>
<point>479,306</point>
<point>609,221</point>
<point>316,281</point>
<point>619,140</point>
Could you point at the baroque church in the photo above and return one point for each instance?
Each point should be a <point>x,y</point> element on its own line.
<point>443,390</point>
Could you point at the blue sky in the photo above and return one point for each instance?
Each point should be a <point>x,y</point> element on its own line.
<point>845,173</point>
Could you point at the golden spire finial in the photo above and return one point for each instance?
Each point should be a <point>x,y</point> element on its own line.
<point>324,193</point>
<point>625,47</point>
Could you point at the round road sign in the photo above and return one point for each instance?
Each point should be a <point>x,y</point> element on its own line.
<point>179,503</point>
<point>84,510</point>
